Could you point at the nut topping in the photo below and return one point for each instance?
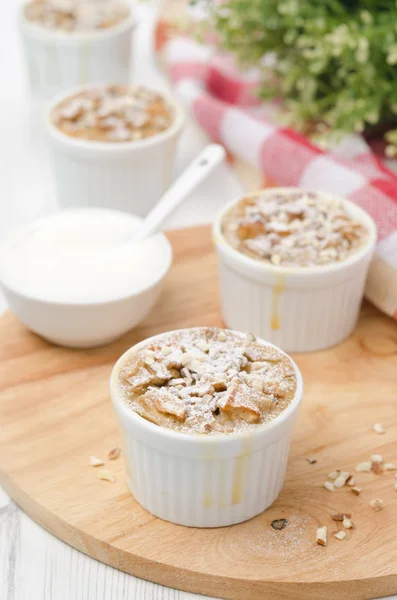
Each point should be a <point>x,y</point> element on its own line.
<point>376,504</point>
<point>96,462</point>
<point>321,536</point>
<point>329,486</point>
<point>207,383</point>
<point>76,15</point>
<point>115,453</point>
<point>347,522</point>
<point>389,467</point>
<point>340,516</point>
<point>376,458</point>
<point>364,467</point>
<point>106,476</point>
<point>378,428</point>
<point>293,228</point>
<point>341,479</point>
<point>113,114</point>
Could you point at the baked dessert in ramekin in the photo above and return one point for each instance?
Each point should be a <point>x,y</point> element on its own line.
<point>293,266</point>
<point>113,146</point>
<point>206,417</point>
<point>75,42</point>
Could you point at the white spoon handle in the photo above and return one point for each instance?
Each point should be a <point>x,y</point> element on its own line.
<point>205,162</point>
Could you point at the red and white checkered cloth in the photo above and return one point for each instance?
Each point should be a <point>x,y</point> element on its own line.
<point>222,101</point>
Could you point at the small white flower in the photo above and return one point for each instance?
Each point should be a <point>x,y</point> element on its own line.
<point>366,17</point>
<point>289,7</point>
<point>392,55</point>
<point>362,51</point>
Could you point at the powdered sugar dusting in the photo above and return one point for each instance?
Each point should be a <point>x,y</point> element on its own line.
<point>208,380</point>
<point>293,228</point>
<point>113,113</point>
<point>76,15</point>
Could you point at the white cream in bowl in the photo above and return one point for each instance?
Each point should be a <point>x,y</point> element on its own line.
<point>76,279</point>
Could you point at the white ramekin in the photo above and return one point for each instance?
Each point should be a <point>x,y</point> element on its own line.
<point>127,176</point>
<point>203,480</point>
<point>90,323</point>
<point>298,309</point>
<point>59,60</point>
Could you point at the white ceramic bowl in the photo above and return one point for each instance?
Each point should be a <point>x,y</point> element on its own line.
<point>128,176</point>
<point>203,480</point>
<point>84,322</point>
<point>299,309</point>
<point>59,60</point>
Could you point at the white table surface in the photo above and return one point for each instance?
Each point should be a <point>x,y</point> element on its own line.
<point>34,565</point>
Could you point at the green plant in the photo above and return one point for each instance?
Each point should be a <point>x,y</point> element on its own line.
<point>334,62</point>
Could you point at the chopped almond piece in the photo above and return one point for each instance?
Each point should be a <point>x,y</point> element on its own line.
<point>115,453</point>
<point>106,476</point>
<point>378,427</point>
<point>340,516</point>
<point>174,361</point>
<point>259,366</point>
<point>96,462</point>
<point>376,458</point>
<point>257,385</point>
<point>328,486</point>
<point>333,475</point>
<point>341,479</point>
<point>199,390</point>
<point>356,491</point>
<point>390,467</point>
<point>340,535</point>
<point>311,461</point>
<point>203,345</point>
<point>161,373</point>
<point>377,468</point>
<point>364,467</point>
<point>376,504</point>
<point>347,523</point>
<point>321,536</point>
<point>165,350</point>
<point>351,481</point>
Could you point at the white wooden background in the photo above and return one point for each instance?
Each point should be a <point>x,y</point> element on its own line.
<point>33,564</point>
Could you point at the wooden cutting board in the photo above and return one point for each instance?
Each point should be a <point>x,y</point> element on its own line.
<point>55,412</point>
